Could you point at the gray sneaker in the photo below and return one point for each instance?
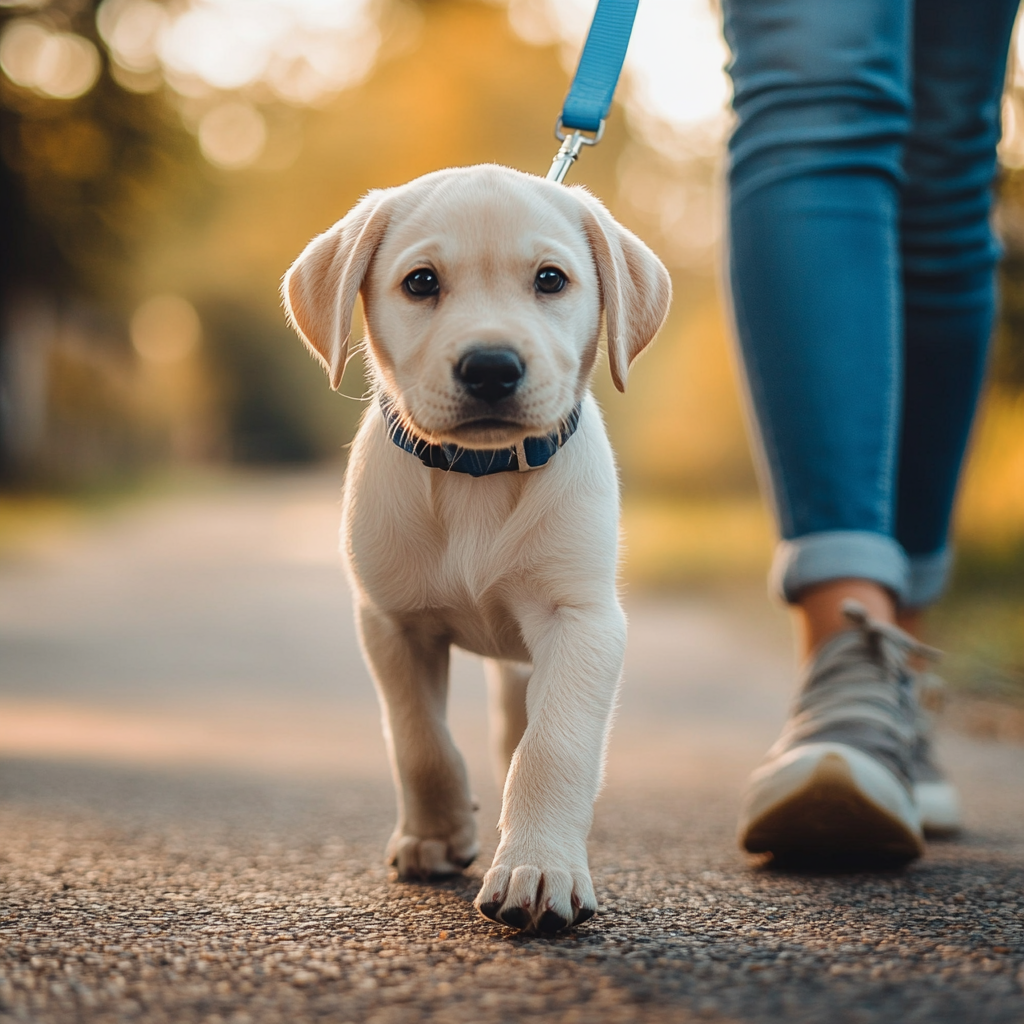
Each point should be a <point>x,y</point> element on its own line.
<point>938,802</point>
<point>838,784</point>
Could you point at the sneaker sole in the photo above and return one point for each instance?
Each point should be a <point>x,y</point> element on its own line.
<point>939,807</point>
<point>827,802</point>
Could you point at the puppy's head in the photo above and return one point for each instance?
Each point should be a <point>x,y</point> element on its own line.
<point>483,290</point>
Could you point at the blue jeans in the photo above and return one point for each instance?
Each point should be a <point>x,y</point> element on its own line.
<point>862,269</point>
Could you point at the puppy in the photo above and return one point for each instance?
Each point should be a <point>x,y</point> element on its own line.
<point>481,501</point>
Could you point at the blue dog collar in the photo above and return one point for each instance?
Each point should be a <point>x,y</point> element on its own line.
<point>533,453</point>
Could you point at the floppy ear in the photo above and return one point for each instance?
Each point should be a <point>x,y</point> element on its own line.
<point>635,287</point>
<point>321,286</point>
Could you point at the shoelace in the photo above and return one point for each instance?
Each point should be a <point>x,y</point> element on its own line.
<point>875,630</point>
<point>832,700</point>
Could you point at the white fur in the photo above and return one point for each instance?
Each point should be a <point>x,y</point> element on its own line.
<point>517,567</point>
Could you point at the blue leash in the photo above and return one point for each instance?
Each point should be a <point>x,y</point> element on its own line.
<point>593,86</point>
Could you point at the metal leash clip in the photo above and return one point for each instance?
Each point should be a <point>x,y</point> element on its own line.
<point>569,152</point>
<point>593,86</point>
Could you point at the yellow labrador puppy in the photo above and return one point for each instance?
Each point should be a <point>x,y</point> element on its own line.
<point>481,502</point>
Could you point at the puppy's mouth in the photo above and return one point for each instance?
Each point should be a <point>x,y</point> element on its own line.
<point>480,429</point>
<point>487,432</point>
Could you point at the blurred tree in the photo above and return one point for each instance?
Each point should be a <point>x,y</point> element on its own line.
<point>84,184</point>
<point>263,382</point>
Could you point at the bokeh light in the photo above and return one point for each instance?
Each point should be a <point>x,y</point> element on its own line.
<point>675,66</point>
<point>60,65</point>
<point>304,50</point>
<point>1011,145</point>
<point>131,29</point>
<point>232,135</point>
<point>296,52</point>
<point>165,329</point>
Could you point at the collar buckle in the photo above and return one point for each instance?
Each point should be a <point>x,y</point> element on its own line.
<point>521,464</point>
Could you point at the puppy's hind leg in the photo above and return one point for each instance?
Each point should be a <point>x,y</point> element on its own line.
<point>506,688</point>
<point>436,831</point>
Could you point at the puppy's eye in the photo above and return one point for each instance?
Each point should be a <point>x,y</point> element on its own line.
<point>549,280</point>
<point>421,283</point>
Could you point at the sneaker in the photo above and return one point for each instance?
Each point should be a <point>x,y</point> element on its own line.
<point>838,784</point>
<point>938,803</point>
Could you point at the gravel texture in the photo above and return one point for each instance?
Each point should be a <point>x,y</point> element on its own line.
<point>194,801</point>
<point>145,896</point>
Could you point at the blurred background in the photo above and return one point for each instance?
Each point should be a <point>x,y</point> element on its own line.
<point>163,163</point>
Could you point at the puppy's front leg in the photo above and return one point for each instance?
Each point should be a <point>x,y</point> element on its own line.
<point>540,879</point>
<point>436,832</point>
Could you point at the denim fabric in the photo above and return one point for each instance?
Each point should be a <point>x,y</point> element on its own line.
<point>861,267</point>
<point>836,554</point>
<point>928,575</point>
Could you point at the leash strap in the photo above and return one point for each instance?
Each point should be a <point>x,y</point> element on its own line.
<point>597,74</point>
<point>593,86</point>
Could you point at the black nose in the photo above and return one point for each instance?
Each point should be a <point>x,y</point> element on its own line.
<point>490,374</point>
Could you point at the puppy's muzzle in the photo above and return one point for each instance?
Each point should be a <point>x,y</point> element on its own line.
<point>490,374</point>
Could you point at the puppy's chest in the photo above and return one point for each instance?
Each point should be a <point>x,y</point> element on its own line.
<point>478,536</point>
<point>449,540</point>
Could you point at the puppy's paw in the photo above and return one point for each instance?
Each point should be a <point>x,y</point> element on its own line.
<point>416,858</point>
<point>536,899</point>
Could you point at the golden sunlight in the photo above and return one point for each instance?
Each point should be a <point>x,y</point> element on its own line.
<point>60,65</point>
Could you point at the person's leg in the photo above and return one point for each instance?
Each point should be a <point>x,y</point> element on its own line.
<point>822,98</point>
<point>948,258</point>
<point>823,107</point>
<point>793,179</point>
<point>819,610</point>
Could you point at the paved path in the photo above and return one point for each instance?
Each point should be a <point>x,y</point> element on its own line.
<point>194,799</point>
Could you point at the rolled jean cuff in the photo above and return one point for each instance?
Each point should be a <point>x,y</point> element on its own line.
<point>835,555</point>
<point>928,577</point>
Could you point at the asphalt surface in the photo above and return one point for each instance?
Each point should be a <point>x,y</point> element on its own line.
<point>194,800</point>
